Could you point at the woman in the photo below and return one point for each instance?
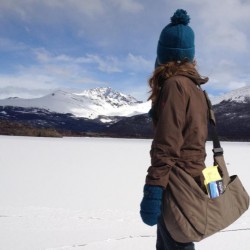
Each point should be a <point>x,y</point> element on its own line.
<point>180,115</point>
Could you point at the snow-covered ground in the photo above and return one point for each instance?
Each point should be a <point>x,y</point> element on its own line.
<point>84,194</point>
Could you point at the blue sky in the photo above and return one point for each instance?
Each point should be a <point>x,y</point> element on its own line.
<point>83,44</point>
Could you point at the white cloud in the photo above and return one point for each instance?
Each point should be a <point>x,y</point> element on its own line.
<point>138,63</point>
<point>25,85</point>
<point>218,86</point>
<point>64,71</point>
<point>108,64</point>
<point>10,45</point>
<point>86,80</point>
<point>38,81</point>
<point>129,5</point>
<point>99,40</point>
<point>228,38</point>
<point>28,80</point>
<point>51,9</point>
<point>48,10</point>
<point>12,91</point>
<point>42,55</point>
<point>223,25</point>
<point>225,76</point>
<point>57,71</point>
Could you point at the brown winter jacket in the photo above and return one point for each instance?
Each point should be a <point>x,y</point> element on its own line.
<point>181,130</point>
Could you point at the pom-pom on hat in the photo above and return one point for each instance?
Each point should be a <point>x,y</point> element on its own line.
<point>176,42</point>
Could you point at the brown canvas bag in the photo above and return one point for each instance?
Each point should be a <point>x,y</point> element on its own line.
<point>189,214</point>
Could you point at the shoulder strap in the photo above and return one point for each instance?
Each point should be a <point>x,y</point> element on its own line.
<point>217,149</point>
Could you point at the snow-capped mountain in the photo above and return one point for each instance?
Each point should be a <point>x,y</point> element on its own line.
<point>88,104</point>
<point>104,112</point>
<point>241,95</point>
<point>112,97</point>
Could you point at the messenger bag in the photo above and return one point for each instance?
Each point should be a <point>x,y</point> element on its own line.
<point>189,214</point>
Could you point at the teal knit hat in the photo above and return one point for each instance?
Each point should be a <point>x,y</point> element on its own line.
<point>176,42</point>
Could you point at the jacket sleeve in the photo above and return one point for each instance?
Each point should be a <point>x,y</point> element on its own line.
<point>168,139</point>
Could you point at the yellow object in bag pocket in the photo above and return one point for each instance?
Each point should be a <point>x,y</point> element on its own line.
<point>213,181</point>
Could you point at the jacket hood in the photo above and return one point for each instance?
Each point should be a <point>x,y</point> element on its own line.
<point>198,80</point>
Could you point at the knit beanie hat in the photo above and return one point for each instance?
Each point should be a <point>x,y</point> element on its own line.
<point>176,42</point>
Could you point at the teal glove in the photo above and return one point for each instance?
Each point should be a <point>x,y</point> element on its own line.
<point>151,204</point>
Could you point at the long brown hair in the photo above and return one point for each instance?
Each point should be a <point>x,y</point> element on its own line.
<point>167,70</point>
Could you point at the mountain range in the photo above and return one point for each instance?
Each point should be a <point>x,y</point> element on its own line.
<point>87,104</point>
<point>106,112</point>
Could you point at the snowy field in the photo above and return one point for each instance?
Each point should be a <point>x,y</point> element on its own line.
<point>84,194</point>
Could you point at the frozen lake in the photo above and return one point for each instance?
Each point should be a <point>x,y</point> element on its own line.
<point>84,194</point>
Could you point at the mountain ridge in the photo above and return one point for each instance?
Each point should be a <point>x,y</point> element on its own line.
<point>88,104</point>
<point>240,95</point>
<point>232,115</point>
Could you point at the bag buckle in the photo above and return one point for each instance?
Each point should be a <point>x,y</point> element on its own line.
<point>218,150</point>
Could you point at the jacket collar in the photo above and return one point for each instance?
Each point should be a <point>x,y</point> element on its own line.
<point>198,80</point>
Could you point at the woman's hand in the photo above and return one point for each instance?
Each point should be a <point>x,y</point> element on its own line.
<point>151,204</point>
